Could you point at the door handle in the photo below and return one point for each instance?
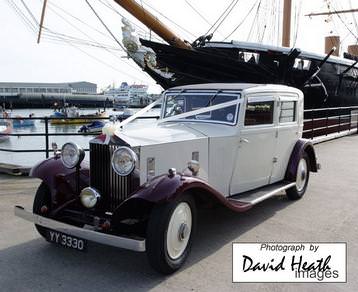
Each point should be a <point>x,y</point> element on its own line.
<point>244,140</point>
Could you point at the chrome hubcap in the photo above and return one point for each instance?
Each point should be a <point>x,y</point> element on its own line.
<point>179,229</point>
<point>301,178</point>
<point>183,231</point>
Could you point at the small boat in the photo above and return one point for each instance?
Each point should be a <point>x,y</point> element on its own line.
<point>57,114</point>
<point>71,116</point>
<point>5,130</point>
<point>94,127</point>
<point>128,112</point>
<point>118,107</point>
<point>18,122</point>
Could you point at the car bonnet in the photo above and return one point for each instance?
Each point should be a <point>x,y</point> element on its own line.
<point>159,134</point>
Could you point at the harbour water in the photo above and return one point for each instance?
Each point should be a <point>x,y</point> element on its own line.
<point>38,142</point>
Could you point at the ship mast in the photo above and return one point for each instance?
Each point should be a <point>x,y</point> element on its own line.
<point>286,23</point>
<point>42,21</point>
<point>153,23</point>
<point>332,12</point>
<point>334,40</point>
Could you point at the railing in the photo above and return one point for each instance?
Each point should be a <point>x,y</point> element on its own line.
<point>326,121</point>
<point>317,123</point>
<point>47,134</point>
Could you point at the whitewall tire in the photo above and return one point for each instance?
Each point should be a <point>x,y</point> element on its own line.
<point>302,178</point>
<point>169,234</point>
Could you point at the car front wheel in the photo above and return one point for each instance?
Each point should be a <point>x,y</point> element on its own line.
<point>302,177</point>
<point>42,198</point>
<point>169,234</point>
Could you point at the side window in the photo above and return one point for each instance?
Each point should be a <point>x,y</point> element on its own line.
<point>288,111</point>
<point>259,113</point>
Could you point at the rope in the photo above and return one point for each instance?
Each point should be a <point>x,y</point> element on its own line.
<point>254,21</point>
<point>109,6</point>
<point>105,47</point>
<point>225,16</point>
<point>197,12</point>
<point>52,36</point>
<point>352,33</point>
<point>29,12</point>
<point>297,20</point>
<point>22,16</point>
<point>105,26</point>
<point>172,21</point>
<point>222,14</point>
<point>354,18</point>
<point>78,19</point>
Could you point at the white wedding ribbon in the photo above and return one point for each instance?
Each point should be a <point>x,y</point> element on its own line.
<point>119,126</point>
<point>200,111</point>
<point>136,115</point>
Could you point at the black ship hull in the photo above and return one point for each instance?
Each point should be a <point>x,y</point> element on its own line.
<point>325,82</point>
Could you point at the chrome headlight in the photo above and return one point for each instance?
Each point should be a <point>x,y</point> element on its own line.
<point>89,197</point>
<point>72,155</point>
<point>124,160</point>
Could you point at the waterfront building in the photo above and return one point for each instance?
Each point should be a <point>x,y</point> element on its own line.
<point>16,88</point>
<point>26,94</point>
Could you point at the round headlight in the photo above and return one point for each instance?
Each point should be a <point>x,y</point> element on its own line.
<point>71,155</point>
<point>89,197</point>
<point>124,160</point>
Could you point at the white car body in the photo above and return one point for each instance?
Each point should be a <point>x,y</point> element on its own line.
<point>233,157</point>
<point>233,144</point>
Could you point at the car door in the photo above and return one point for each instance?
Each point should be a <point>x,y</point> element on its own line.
<point>256,149</point>
<point>288,132</point>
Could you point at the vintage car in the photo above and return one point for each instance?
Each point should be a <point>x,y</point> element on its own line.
<point>229,144</point>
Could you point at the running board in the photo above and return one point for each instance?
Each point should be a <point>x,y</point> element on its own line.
<point>258,195</point>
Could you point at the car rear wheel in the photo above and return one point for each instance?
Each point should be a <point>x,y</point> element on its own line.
<point>302,177</point>
<point>42,198</point>
<point>170,233</point>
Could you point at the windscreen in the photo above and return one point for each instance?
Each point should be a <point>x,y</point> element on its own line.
<point>178,103</point>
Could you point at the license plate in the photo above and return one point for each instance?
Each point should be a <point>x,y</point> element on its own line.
<point>65,240</point>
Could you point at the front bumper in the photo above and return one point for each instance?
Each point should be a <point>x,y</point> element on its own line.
<point>103,238</point>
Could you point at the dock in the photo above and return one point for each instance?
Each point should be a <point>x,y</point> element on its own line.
<point>14,169</point>
<point>326,213</point>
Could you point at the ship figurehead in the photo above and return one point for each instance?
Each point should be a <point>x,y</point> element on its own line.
<point>145,57</point>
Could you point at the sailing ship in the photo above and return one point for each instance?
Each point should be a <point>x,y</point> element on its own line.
<point>326,80</point>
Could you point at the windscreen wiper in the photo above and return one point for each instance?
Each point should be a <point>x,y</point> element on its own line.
<point>213,97</point>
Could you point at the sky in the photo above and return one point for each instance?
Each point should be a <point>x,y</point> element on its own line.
<point>57,59</point>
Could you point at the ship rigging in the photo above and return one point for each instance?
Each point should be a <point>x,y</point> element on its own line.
<point>326,80</point>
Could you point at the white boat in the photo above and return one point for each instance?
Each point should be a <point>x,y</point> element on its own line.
<point>138,95</point>
<point>120,96</point>
<point>126,95</point>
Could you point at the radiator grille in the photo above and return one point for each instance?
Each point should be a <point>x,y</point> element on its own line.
<point>112,187</point>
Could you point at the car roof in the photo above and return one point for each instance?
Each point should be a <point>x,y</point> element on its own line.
<point>253,87</point>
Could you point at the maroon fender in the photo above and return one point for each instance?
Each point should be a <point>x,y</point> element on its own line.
<point>164,189</point>
<point>60,180</point>
<point>302,145</point>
